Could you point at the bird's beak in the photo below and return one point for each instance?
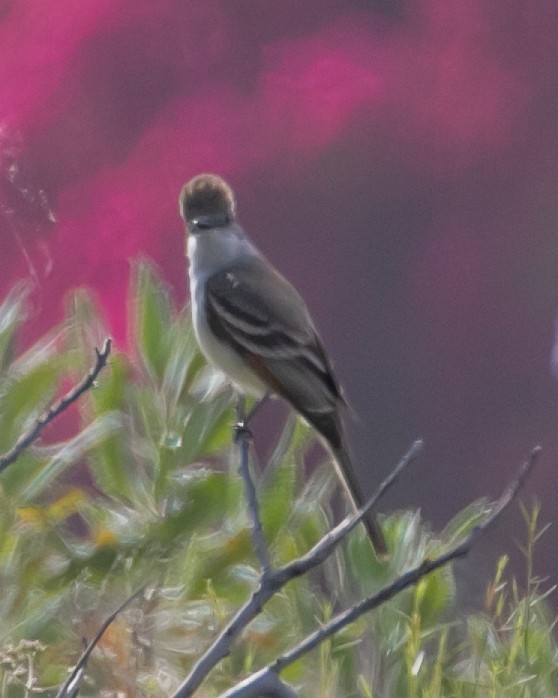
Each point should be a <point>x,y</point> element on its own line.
<point>210,220</point>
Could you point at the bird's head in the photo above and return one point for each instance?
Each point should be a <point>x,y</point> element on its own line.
<point>207,201</point>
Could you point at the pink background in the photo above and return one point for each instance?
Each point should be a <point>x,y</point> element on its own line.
<point>398,160</point>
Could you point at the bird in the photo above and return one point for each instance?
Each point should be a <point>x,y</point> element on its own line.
<point>253,325</point>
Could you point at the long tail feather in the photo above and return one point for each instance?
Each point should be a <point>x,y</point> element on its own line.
<point>348,477</point>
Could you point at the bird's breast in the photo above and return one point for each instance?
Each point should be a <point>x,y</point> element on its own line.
<point>218,353</point>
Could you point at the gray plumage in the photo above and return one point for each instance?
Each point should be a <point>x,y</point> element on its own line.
<point>254,326</point>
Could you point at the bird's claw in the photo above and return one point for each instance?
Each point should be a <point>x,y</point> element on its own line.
<point>241,431</point>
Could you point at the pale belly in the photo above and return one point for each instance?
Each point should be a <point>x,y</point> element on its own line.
<point>220,355</point>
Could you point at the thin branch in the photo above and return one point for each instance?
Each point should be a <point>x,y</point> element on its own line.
<point>25,440</point>
<point>242,438</point>
<point>325,547</point>
<point>264,684</point>
<point>71,687</point>
<point>277,579</point>
<point>248,687</point>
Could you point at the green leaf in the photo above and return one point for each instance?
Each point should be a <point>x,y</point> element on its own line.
<point>110,392</point>
<point>26,396</point>
<point>277,491</point>
<point>85,327</point>
<point>434,595</point>
<point>277,499</point>
<point>66,455</point>
<point>464,522</point>
<point>114,463</point>
<point>183,361</point>
<point>208,428</point>
<point>197,502</point>
<point>41,610</point>
<point>13,312</point>
<point>215,564</point>
<point>153,316</point>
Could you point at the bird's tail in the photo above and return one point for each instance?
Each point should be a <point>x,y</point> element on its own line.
<point>348,477</point>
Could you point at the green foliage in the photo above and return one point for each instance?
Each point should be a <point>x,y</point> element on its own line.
<point>146,491</point>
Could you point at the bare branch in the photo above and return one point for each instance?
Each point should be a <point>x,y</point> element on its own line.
<point>246,687</point>
<point>272,583</point>
<point>25,440</point>
<point>325,547</point>
<point>264,684</point>
<point>242,438</point>
<point>71,687</point>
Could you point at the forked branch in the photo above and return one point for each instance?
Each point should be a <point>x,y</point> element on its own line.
<point>26,439</point>
<point>254,684</point>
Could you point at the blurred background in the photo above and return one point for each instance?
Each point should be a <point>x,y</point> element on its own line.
<point>397,160</point>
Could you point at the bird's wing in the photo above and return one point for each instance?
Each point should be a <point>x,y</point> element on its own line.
<point>259,314</point>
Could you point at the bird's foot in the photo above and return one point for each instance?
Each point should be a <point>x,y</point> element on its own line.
<point>241,431</point>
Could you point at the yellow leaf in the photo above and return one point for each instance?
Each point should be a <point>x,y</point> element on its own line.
<point>35,517</point>
<point>105,538</point>
<point>66,505</point>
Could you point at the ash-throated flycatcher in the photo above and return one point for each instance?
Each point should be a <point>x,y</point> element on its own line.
<point>253,325</point>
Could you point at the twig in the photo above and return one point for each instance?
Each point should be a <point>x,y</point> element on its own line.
<point>277,579</point>
<point>242,438</point>
<point>72,685</point>
<point>25,440</point>
<point>325,547</point>
<point>267,685</point>
<point>251,685</point>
